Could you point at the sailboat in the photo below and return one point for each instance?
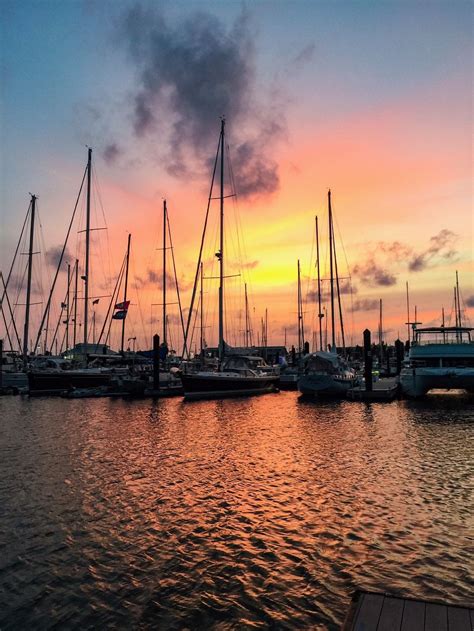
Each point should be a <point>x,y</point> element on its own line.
<point>325,373</point>
<point>235,374</point>
<point>52,375</point>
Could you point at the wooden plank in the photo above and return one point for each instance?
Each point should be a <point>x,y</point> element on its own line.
<point>369,612</point>
<point>436,617</point>
<point>391,614</point>
<point>352,612</point>
<point>458,619</point>
<point>413,616</point>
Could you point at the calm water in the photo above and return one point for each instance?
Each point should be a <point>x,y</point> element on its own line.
<point>253,513</point>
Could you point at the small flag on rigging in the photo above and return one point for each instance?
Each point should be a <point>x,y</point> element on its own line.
<point>95,302</point>
<point>122,305</point>
<point>120,315</point>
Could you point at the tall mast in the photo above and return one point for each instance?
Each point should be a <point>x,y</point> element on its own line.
<point>459,300</point>
<point>88,228</point>
<point>247,327</point>
<point>300,315</point>
<point>221,252</point>
<point>266,332</point>
<point>380,334</point>
<point>28,286</point>
<point>456,311</point>
<point>164,272</point>
<point>341,320</point>
<point>76,272</point>
<point>67,305</point>
<point>331,240</point>
<point>320,315</point>
<point>125,292</point>
<point>202,310</point>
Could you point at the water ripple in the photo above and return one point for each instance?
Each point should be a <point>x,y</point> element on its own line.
<point>255,513</point>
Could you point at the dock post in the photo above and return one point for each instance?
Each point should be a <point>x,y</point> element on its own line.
<point>399,349</point>
<point>1,363</point>
<point>156,362</point>
<point>367,361</point>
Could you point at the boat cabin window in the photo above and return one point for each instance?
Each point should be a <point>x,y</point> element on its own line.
<point>320,364</point>
<point>442,336</point>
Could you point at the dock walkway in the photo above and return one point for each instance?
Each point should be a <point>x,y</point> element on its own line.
<point>385,389</point>
<point>381,612</point>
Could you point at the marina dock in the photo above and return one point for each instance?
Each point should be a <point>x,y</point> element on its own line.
<point>382,612</point>
<point>382,390</point>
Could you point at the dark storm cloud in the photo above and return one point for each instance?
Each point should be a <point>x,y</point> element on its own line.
<point>441,245</point>
<point>470,301</point>
<point>189,75</point>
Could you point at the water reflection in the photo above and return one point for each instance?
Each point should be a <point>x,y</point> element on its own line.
<point>259,512</point>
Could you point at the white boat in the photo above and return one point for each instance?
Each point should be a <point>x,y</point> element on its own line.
<point>439,358</point>
<point>326,374</point>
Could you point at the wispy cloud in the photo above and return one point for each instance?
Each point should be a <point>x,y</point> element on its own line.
<point>365,304</point>
<point>111,153</point>
<point>386,260</point>
<point>441,245</point>
<point>53,255</point>
<point>373,274</point>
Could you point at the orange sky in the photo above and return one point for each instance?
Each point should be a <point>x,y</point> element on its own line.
<point>392,139</point>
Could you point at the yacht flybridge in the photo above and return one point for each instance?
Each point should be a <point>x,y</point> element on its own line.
<point>439,358</point>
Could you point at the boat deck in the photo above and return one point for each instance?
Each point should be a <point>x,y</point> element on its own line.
<point>382,612</point>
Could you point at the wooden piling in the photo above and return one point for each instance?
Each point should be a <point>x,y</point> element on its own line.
<point>399,350</point>
<point>156,362</point>
<point>367,361</point>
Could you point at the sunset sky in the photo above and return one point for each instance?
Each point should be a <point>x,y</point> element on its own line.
<point>370,99</point>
